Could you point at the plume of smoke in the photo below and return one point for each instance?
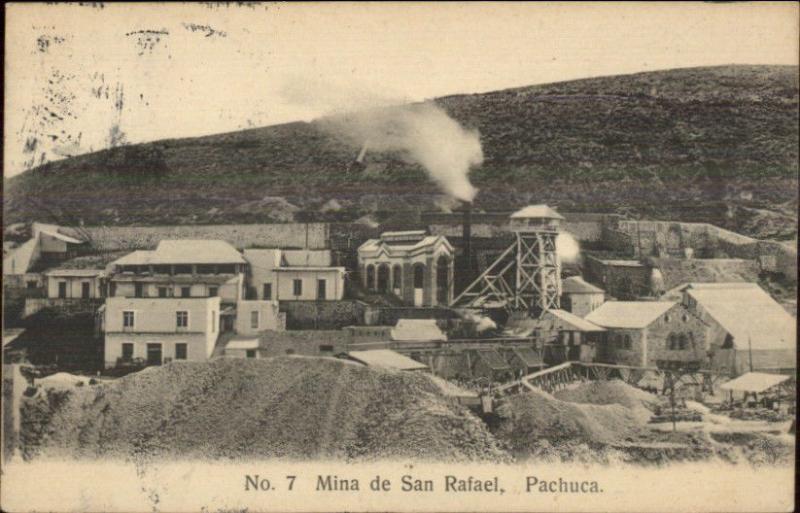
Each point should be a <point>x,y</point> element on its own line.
<point>567,248</point>
<point>423,133</point>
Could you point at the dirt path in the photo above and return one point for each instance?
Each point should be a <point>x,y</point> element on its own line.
<point>327,428</point>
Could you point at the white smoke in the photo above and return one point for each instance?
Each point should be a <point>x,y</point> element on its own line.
<point>423,133</point>
<point>567,248</point>
<point>481,323</point>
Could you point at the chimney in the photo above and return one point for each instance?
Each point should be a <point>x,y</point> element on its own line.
<point>466,238</point>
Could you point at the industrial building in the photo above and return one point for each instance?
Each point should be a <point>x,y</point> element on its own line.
<point>413,266</point>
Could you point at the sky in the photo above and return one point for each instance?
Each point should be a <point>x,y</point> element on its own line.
<point>80,78</point>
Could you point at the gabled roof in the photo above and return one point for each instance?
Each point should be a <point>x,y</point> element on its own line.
<point>628,314</point>
<point>578,323</point>
<point>196,252</point>
<point>577,285</point>
<point>427,243</point>
<point>60,236</point>
<point>386,359</point>
<point>185,252</point>
<point>747,313</point>
<point>307,257</point>
<point>754,382</point>
<point>417,330</point>
<point>541,211</point>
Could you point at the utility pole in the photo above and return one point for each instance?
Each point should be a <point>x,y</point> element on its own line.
<point>750,350</point>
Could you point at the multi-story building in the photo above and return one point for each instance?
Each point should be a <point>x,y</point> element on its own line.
<point>173,302</point>
<point>158,330</point>
<point>180,268</point>
<point>293,275</point>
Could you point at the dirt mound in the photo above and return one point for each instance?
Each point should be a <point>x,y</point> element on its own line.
<point>641,403</point>
<point>527,419</point>
<point>287,407</point>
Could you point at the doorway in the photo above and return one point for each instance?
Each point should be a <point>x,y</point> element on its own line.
<point>153,354</point>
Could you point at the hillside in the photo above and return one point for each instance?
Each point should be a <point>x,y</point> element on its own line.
<point>705,144</point>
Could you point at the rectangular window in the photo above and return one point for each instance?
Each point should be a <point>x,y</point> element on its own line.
<point>85,290</point>
<point>254,319</point>
<point>213,291</point>
<point>321,289</point>
<point>127,351</point>
<point>138,290</point>
<point>127,319</point>
<point>297,286</point>
<point>268,291</point>
<point>180,351</point>
<point>324,348</point>
<point>251,353</point>
<point>186,291</point>
<point>182,319</point>
<point>183,269</point>
<point>162,291</point>
<point>62,289</point>
<point>112,289</point>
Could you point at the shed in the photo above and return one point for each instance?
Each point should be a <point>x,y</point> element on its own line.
<point>754,382</point>
<point>386,359</point>
<point>413,330</point>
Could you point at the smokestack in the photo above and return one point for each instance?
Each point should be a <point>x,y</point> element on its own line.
<point>466,237</point>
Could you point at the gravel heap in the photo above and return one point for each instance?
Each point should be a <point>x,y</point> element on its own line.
<point>641,403</point>
<point>287,407</point>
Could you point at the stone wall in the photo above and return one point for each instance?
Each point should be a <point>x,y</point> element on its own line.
<point>62,306</point>
<point>276,235</point>
<point>322,315</point>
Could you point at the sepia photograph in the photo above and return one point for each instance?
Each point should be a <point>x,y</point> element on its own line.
<point>400,256</point>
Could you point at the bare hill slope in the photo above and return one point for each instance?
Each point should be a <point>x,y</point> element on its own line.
<point>706,144</point>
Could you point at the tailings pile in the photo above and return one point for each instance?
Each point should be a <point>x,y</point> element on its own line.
<point>288,407</point>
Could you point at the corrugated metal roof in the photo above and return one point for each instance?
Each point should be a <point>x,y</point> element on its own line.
<point>250,343</point>
<point>577,285</point>
<point>493,359</point>
<point>402,248</point>
<point>578,323</point>
<point>748,313</point>
<point>754,382</point>
<point>386,359</point>
<point>75,272</point>
<point>628,314</point>
<point>530,357</point>
<point>61,236</point>
<point>537,211</point>
<point>417,330</point>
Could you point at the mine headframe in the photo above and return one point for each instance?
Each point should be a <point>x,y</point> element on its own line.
<point>526,277</point>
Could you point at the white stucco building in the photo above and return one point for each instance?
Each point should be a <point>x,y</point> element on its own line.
<point>159,330</point>
<point>293,275</point>
<point>416,267</point>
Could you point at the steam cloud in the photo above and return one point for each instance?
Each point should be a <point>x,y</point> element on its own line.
<point>567,248</point>
<point>423,133</point>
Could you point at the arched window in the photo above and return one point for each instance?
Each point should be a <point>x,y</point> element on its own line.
<point>383,278</point>
<point>419,276</point>
<point>397,277</point>
<point>370,277</point>
<point>671,343</point>
<point>443,280</point>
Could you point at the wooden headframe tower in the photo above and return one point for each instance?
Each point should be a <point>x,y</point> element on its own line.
<point>526,277</point>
